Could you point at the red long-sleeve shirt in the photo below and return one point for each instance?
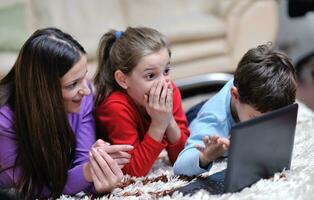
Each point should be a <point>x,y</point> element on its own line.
<point>120,121</point>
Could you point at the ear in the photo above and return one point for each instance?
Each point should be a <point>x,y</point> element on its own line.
<point>234,93</point>
<point>120,78</point>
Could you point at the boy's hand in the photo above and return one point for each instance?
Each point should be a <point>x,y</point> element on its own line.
<point>214,147</point>
<point>159,107</point>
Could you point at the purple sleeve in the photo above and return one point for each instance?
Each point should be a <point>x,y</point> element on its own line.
<point>84,129</point>
<point>8,177</point>
<point>83,126</point>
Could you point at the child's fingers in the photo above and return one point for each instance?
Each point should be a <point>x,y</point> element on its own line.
<point>169,84</point>
<point>100,143</point>
<point>162,100</point>
<point>156,95</point>
<point>225,147</point>
<point>199,147</point>
<point>225,141</point>
<point>152,94</point>
<point>121,166</point>
<point>146,101</point>
<point>169,99</point>
<point>159,87</point>
<point>214,139</point>
<point>117,148</point>
<point>122,161</point>
<point>206,140</point>
<point>120,154</point>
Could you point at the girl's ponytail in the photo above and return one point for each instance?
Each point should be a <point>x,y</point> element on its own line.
<point>104,78</point>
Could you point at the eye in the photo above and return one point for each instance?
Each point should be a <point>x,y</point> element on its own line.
<point>150,76</point>
<point>167,71</point>
<point>72,86</point>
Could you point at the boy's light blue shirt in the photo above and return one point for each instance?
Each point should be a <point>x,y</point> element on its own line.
<point>213,118</point>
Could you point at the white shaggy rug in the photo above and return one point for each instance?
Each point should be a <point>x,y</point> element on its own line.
<point>297,183</point>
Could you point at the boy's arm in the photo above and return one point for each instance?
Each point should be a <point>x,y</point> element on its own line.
<point>188,161</point>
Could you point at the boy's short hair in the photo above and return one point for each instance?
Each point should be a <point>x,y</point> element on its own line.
<point>265,79</point>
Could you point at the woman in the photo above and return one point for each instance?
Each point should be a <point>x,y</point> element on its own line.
<point>46,122</point>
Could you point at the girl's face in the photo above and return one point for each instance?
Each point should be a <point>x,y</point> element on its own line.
<point>74,86</point>
<point>151,68</point>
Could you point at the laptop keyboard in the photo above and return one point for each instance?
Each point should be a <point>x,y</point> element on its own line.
<point>215,187</point>
<point>213,184</point>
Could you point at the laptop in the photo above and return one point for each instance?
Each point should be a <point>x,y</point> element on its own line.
<point>258,149</point>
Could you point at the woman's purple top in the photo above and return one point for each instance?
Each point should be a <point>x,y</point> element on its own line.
<point>83,126</point>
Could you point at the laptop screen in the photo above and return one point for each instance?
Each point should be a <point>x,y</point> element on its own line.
<point>260,147</point>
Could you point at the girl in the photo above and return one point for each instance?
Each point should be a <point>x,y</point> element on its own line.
<point>136,102</point>
<point>46,122</point>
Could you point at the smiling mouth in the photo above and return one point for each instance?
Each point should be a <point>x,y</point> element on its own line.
<point>77,101</point>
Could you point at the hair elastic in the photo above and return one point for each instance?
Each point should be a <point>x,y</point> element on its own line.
<point>118,34</point>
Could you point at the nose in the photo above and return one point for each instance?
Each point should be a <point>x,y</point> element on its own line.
<point>85,91</point>
<point>165,79</point>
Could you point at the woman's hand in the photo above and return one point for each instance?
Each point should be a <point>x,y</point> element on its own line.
<point>117,152</point>
<point>104,171</point>
<point>159,107</point>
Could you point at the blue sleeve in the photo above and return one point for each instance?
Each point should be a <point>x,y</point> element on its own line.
<point>188,160</point>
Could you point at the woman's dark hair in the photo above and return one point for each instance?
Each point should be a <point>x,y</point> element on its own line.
<point>32,88</point>
<point>265,79</point>
<point>122,51</point>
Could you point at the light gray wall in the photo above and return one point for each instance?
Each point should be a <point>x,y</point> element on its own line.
<point>296,35</point>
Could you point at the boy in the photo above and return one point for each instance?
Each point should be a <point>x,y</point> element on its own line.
<point>305,78</point>
<point>263,81</point>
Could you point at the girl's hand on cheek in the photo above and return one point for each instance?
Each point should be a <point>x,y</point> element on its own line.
<point>173,131</point>
<point>169,100</point>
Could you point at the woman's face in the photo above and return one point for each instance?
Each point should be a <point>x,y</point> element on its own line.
<point>151,68</point>
<point>74,86</point>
